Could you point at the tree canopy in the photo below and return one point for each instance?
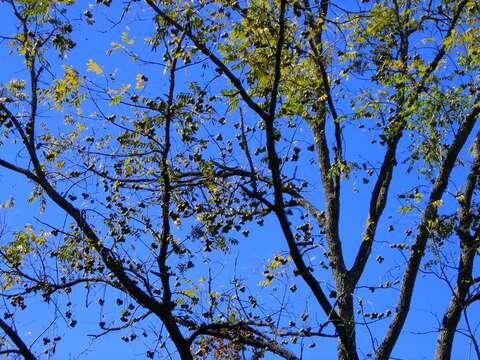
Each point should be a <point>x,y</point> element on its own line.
<point>237,179</point>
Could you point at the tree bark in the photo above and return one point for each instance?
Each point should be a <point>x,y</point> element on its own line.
<point>347,346</point>
<point>457,303</point>
<point>452,315</point>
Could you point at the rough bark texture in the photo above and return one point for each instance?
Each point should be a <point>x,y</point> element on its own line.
<point>468,250</point>
<point>418,248</point>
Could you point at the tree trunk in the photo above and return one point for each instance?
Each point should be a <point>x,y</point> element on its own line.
<point>452,315</point>
<point>347,349</point>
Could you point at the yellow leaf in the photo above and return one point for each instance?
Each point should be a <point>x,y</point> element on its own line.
<point>126,39</point>
<point>94,67</point>
<point>139,79</point>
<point>8,204</point>
<point>190,292</point>
<point>60,164</point>
<point>179,301</point>
<point>405,209</point>
<point>418,197</point>
<point>265,282</point>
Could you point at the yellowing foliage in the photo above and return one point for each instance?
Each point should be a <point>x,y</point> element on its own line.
<point>94,67</point>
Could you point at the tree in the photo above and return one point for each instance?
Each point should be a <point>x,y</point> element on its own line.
<point>293,118</point>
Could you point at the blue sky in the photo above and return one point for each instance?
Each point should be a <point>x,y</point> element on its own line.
<point>430,297</point>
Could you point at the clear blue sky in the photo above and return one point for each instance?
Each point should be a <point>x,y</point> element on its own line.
<point>431,295</point>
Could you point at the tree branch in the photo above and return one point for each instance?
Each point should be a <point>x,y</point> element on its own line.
<point>417,250</point>
<point>13,335</point>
